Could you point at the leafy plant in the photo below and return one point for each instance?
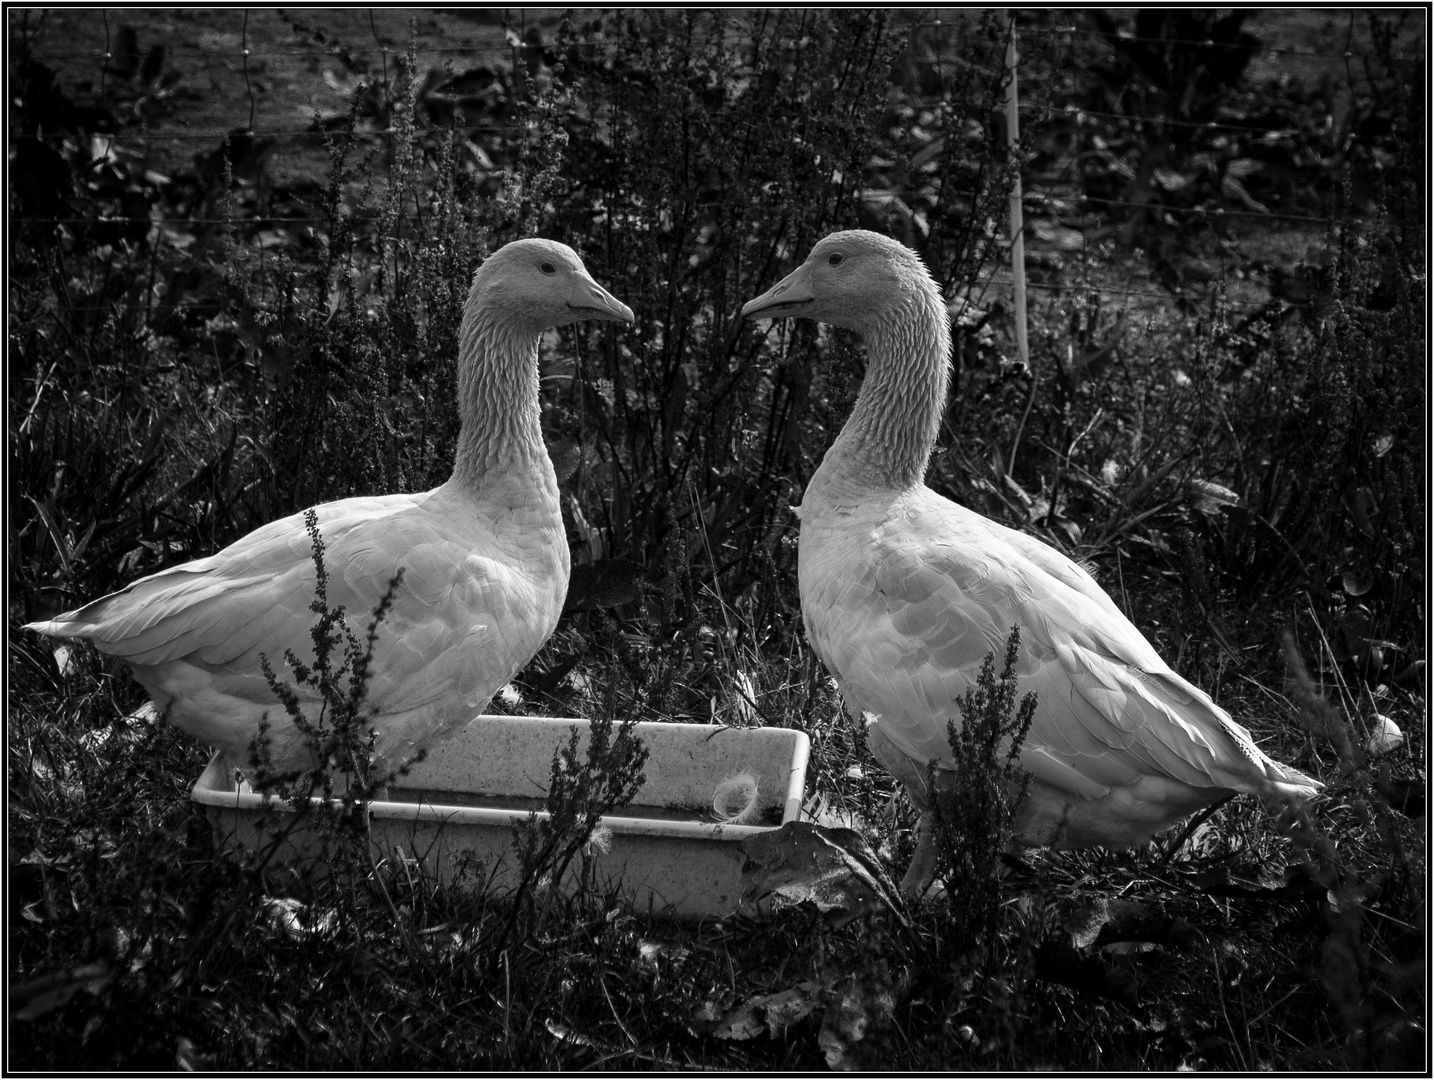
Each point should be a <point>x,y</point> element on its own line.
<point>580,792</point>
<point>337,735</point>
<point>973,812</point>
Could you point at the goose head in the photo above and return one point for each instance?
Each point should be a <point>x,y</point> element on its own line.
<point>852,279</point>
<point>538,284</point>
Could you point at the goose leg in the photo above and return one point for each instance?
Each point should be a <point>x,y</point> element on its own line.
<point>922,870</point>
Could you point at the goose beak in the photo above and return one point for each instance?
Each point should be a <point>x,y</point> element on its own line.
<point>790,296</point>
<point>589,300</point>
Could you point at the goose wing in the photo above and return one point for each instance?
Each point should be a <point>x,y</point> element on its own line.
<point>255,597</point>
<point>906,626</point>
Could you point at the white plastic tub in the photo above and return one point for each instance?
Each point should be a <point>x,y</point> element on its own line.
<point>456,808</point>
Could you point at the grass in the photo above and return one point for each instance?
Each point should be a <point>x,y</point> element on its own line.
<point>1255,946</point>
<point>1243,471</point>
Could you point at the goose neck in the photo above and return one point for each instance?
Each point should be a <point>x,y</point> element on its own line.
<point>498,407</point>
<point>889,436</point>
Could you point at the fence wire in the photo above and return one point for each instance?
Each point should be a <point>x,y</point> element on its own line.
<point>1025,30</point>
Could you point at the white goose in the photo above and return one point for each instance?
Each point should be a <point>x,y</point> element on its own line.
<point>484,558</point>
<point>904,593</point>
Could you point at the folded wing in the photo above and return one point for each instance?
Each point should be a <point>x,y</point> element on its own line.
<point>941,590</point>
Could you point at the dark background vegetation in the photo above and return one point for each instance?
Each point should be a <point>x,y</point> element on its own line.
<point>238,246</point>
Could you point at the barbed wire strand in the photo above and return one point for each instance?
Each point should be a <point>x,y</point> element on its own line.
<point>1205,295</point>
<point>212,135</point>
<point>1033,196</point>
<point>352,57</point>
<point>1077,111</point>
<point>1216,212</point>
<point>1204,125</point>
<point>381,51</point>
<point>1260,47</point>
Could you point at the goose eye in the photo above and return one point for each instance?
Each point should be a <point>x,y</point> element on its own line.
<point>835,259</point>
<point>547,268</point>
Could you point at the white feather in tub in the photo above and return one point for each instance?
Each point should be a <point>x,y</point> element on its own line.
<point>735,800</point>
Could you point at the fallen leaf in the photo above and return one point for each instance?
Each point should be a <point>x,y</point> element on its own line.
<point>1062,237</point>
<point>1209,498</point>
<point>1295,884</point>
<point>1384,735</point>
<point>833,869</point>
<point>49,992</point>
<point>287,914</point>
<point>1357,582</point>
<point>849,1015</point>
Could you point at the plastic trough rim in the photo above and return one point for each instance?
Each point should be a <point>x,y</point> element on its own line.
<point>207,792</point>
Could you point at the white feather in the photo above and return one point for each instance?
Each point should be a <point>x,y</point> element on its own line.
<point>735,800</point>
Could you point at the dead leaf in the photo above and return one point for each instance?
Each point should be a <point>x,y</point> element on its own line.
<point>188,1058</point>
<point>288,915</point>
<point>1170,180</point>
<point>706,1017</point>
<point>1100,923</point>
<point>1362,510</point>
<point>1062,237</point>
<point>831,868</point>
<point>1208,497</point>
<point>49,992</point>
<point>1357,581</point>
<point>770,1013</point>
<point>1232,187</point>
<point>651,951</point>
<point>1293,883</point>
<point>1384,735</point>
<point>849,1015</point>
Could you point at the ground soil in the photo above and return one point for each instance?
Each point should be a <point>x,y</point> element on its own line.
<point>267,69</point>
